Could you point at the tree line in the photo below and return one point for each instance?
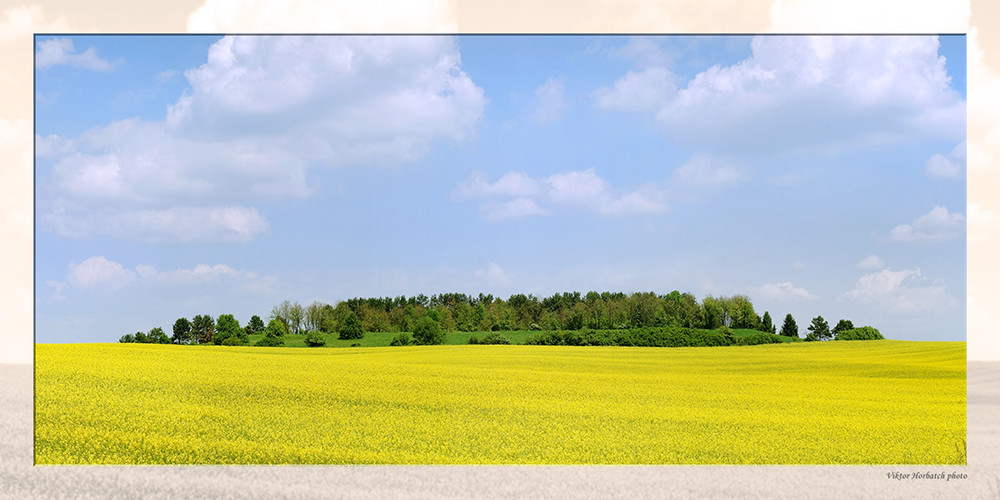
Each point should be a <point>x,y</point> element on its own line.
<point>429,317</point>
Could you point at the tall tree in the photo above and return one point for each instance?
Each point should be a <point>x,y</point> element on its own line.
<point>819,328</point>
<point>256,324</point>
<point>842,326</point>
<point>182,331</point>
<point>350,328</point>
<point>156,336</point>
<point>203,328</point>
<point>282,313</point>
<point>789,328</point>
<point>765,323</point>
<point>314,316</point>
<point>713,313</point>
<point>296,315</point>
<point>227,327</point>
<point>741,312</point>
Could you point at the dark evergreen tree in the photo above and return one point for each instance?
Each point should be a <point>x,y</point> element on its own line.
<point>182,332</point>
<point>766,324</point>
<point>819,328</point>
<point>789,328</point>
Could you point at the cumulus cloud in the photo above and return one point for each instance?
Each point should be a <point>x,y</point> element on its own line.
<point>803,92</point>
<point>899,292</point>
<point>99,273</point>
<point>513,209</point>
<point>937,225</point>
<point>550,100</point>
<point>871,262</point>
<point>261,112</point>
<point>581,189</point>
<point>60,51</point>
<point>949,166</point>
<point>785,291</point>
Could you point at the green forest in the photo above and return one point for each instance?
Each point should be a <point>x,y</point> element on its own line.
<point>570,318</point>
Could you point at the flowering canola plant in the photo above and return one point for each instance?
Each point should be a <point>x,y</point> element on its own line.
<point>873,402</point>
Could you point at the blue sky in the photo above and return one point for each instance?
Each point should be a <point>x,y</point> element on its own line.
<point>184,175</point>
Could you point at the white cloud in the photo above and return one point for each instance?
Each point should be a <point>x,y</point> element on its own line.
<point>871,262</point>
<point>513,184</point>
<point>311,16</point>
<point>702,171</point>
<point>801,92</point>
<point>494,275</point>
<point>262,112</point>
<point>785,291</point>
<point>577,187</point>
<point>580,189</point>
<point>896,292</point>
<point>513,209</point>
<point>233,224</point>
<point>99,273</point>
<point>550,100</point>
<point>352,97</point>
<point>950,166</point>
<point>642,90</point>
<point>937,225</point>
<point>60,51</point>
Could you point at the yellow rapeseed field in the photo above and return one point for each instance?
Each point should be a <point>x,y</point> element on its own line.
<point>873,402</point>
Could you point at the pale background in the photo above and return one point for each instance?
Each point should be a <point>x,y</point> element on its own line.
<point>18,21</point>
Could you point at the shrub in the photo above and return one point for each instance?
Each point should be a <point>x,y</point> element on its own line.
<point>493,338</point>
<point>232,341</point>
<point>638,337</point>
<point>315,339</point>
<point>811,337</point>
<point>727,332</point>
<point>863,333</point>
<point>270,342</point>
<point>534,327</point>
<point>473,339</point>
<point>401,339</point>
<point>757,339</point>
<point>427,332</point>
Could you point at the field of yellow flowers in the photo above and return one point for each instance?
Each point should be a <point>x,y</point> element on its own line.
<point>874,402</point>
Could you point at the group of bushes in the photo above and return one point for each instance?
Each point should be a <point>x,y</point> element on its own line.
<point>636,337</point>
<point>863,333</point>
